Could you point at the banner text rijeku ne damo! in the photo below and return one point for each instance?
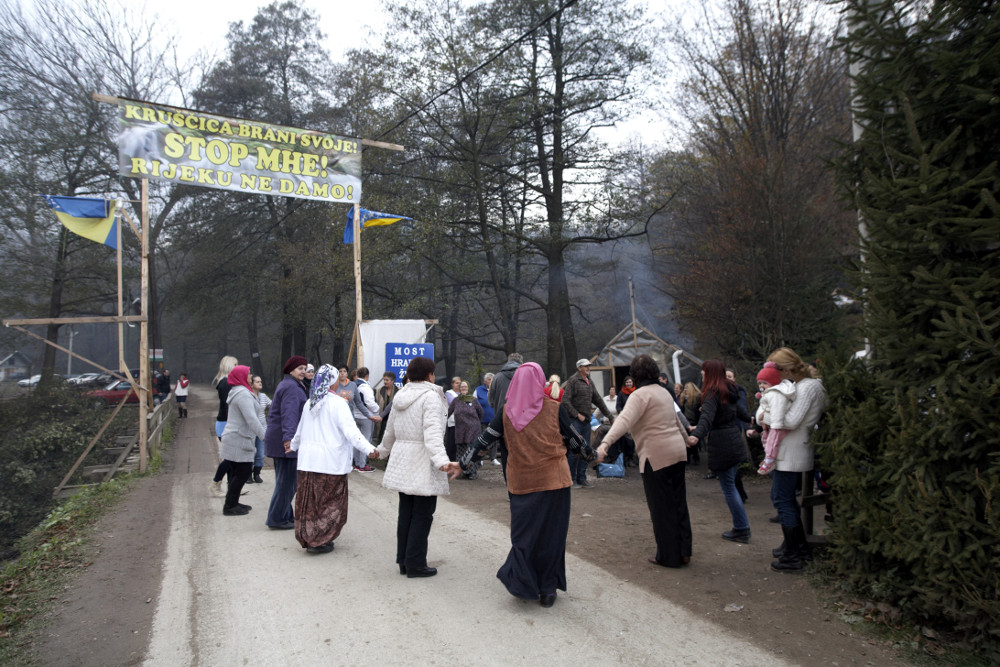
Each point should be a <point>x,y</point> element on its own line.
<point>183,146</point>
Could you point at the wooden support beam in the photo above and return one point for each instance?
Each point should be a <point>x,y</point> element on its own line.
<point>382,144</point>
<point>77,356</point>
<point>86,451</point>
<point>106,319</point>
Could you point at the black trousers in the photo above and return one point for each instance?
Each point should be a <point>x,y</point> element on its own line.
<point>237,475</point>
<point>449,443</point>
<point>416,513</point>
<point>666,496</point>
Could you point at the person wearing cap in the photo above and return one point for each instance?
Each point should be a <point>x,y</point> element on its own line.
<point>775,395</point>
<point>578,396</point>
<point>282,421</point>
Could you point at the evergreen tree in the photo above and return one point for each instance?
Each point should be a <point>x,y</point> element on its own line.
<point>915,432</point>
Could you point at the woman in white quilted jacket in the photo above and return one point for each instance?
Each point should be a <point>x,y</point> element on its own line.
<point>418,466</point>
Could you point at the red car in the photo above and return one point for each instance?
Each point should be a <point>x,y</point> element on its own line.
<point>112,394</point>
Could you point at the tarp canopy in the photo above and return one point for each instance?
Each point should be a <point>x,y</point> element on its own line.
<point>636,339</point>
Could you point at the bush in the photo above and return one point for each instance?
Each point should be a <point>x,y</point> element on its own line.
<point>914,433</point>
<point>43,434</point>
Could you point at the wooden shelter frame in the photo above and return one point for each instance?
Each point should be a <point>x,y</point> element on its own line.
<point>141,385</point>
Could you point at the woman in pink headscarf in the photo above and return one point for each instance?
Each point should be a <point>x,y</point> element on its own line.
<point>538,432</point>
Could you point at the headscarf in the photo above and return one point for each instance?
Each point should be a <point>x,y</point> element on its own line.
<point>240,377</point>
<point>525,395</point>
<point>293,363</point>
<point>325,378</point>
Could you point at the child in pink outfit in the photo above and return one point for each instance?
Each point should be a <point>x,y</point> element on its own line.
<point>775,397</point>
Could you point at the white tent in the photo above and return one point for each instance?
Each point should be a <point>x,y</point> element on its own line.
<point>376,335</point>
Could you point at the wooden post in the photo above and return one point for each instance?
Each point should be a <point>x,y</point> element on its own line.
<point>144,388</point>
<point>121,332</point>
<point>357,285</point>
<point>631,298</point>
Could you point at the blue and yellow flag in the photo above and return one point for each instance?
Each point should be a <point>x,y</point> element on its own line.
<point>369,219</point>
<point>93,219</point>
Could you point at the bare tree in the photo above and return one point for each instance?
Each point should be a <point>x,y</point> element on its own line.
<point>63,142</point>
<point>756,236</point>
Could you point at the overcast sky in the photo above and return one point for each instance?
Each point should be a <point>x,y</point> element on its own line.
<point>348,24</point>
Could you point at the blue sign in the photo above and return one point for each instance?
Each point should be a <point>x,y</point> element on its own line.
<point>399,355</point>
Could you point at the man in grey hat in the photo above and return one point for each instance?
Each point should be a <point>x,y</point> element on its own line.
<point>578,395</point>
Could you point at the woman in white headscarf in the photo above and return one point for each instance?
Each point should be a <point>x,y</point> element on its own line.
<point>325,441</point>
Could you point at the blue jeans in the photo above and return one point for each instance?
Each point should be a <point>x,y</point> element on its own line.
<point>727,481</point>
<point>577,466</point>
<point>258,457</point>
<point>286,481</point>
<point>365,425</point>
<point>783,486</point>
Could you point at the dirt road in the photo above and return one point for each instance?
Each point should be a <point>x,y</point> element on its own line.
<point>177,583</point>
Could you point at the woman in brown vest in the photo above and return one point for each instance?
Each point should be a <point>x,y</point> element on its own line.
<point>537,432</point>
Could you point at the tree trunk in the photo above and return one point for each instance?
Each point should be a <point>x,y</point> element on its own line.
<point>256,364</point>
<point>55,309</point>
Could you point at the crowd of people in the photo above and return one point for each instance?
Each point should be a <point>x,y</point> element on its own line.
<point>322,425</point>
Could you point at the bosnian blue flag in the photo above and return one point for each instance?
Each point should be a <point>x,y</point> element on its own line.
<point>369,219</point>
<point>93,219</point>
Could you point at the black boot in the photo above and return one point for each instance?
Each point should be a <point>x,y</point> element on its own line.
<point>805,552</point>
<point>792,559</point>
<point>256,475</point>
<point>779,551</point>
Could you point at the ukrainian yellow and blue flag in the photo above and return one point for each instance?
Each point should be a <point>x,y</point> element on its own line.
<point>369,219</point>
<point>93,219</point>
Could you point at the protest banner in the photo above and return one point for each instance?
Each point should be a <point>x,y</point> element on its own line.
<point>196,148</point>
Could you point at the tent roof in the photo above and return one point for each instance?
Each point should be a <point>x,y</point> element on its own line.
<point>631,342</point>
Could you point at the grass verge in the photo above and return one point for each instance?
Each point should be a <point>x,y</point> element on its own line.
<point>52,554</point>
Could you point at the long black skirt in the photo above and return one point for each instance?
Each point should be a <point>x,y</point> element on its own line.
<point>666,496</point>
<point>536,563</point>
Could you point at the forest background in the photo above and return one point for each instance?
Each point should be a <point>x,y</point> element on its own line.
<point>529,215</point>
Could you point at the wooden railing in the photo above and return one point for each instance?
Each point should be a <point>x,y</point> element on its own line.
<point>123,448</point>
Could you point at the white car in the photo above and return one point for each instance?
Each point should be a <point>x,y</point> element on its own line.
<point>83,379</point>
<point>33,380</point>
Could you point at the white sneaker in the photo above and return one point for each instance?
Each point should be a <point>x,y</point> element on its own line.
<point>496,462</point>
<point>215,488</point>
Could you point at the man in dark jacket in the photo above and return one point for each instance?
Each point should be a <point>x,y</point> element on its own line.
<point>578,395</point>
<point>496,396</point>
<point>163,386</point>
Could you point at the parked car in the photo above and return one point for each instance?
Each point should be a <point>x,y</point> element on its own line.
<point>113,393</point>
<point>84,379</point>
<point>33,380</point>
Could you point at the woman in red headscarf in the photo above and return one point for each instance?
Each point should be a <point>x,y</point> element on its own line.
<point>537,432</point>
<point>238,436</point>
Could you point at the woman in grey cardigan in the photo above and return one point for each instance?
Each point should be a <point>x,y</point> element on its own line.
<point>238,437</point>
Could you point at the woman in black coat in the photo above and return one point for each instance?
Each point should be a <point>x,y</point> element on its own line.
<point>721,414</point>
